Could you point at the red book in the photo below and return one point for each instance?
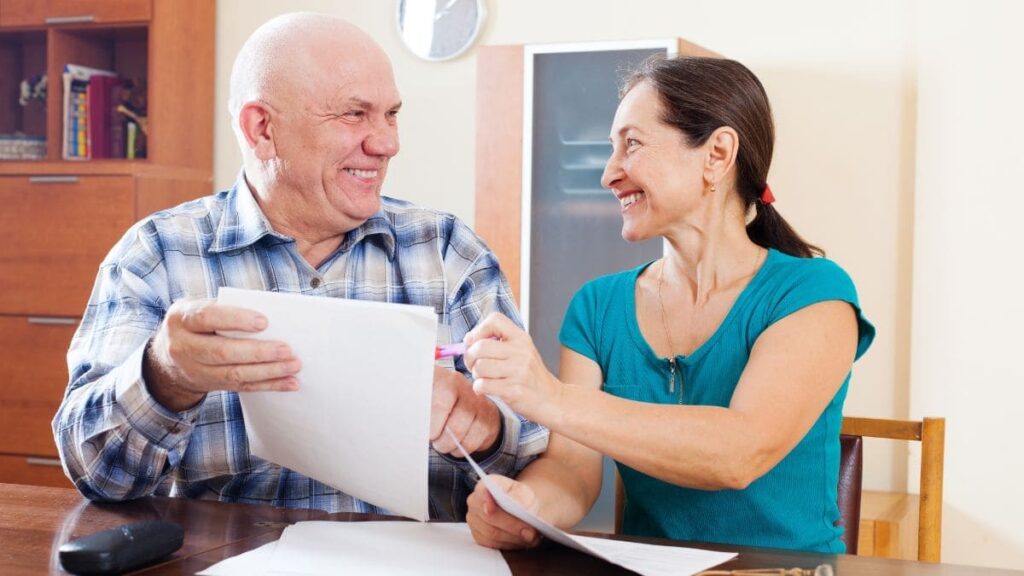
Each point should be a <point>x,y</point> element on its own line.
<point>100,112</point>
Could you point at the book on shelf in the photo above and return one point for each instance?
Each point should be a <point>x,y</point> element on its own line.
<point>132,132</point>
<point>86,110</point>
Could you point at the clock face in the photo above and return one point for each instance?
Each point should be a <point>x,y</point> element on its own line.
<point>439,29</point>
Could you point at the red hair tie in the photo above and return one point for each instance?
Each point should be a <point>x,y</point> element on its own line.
<point>766,196</point>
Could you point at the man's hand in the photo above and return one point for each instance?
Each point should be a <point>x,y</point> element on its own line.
<point>187,358</point>
<point>474,420</point>
<point>493,527</point>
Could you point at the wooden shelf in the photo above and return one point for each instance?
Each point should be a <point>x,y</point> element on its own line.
<point>888,525</point>
<point>61,217</point>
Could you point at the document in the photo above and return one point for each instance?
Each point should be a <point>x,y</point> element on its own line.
<point>251,563</point>
<point>646,559</point>
<point>360,421</point>
<point>314,548</point>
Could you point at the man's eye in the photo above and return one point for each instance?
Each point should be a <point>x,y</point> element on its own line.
<point>354,114</point>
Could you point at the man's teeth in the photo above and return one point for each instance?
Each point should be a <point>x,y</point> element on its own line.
<point>362,173</point>
<point>628,200</point>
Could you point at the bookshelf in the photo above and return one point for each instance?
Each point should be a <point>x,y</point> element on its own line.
<point>61,216</point>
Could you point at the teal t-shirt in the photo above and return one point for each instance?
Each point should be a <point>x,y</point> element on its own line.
<point>792,506</point>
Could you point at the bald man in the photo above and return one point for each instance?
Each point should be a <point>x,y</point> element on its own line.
<point>152,404</point>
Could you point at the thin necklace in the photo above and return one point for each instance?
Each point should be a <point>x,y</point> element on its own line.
<point>668,337</point>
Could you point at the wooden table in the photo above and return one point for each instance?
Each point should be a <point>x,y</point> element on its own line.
<point>35,521</point>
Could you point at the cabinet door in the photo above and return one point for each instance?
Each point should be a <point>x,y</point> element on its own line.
<point>22,12</point>
<point>33,471</point>
<point>33,377</point>
<point>38,12</point>
<point>56,231</point>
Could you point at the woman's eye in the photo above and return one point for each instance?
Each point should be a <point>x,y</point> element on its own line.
<point>632,143</point>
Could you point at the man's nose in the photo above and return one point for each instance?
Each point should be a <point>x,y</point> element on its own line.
<point>382,141</point>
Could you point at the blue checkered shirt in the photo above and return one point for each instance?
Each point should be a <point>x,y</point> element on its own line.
<point>117,442</point>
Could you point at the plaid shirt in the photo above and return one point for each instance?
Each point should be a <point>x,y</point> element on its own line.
<point>117,442</point>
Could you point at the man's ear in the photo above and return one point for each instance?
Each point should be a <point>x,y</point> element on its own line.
<point>254,122</point>
<point>722,148</point>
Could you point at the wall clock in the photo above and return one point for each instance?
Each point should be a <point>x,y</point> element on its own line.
<point>439,29</point>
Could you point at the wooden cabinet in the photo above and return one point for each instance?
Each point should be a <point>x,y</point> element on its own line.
<point>61,217</point>
<point>888,525</point>
<point>33,470</point>
<point>52,12</point>
<point>22,12</point>
<point>57,230</point>
<point>33,375</point>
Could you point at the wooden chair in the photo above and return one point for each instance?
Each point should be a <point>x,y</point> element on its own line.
<point>931,433</point>
<point>851,476</point>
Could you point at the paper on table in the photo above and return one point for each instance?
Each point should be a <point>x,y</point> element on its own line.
<point>251,563</point>
<point>360,421</point>
<point>646,559</point>
<point>318,547</point>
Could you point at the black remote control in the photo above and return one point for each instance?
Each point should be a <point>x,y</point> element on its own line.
<point>121,549</point>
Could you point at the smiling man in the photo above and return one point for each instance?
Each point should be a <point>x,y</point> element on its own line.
<point>152,404</point>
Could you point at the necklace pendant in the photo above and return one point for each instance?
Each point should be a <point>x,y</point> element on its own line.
<point>671,375</point>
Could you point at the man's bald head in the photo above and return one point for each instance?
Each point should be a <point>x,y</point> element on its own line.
<point>288,54</point>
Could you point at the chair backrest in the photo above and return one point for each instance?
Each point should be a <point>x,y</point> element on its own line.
<point>851,474</point>
<point>931,433</point>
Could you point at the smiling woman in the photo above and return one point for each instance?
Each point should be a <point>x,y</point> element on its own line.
<point>714,376</point>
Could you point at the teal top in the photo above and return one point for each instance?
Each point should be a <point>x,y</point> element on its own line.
<point>792,506</point>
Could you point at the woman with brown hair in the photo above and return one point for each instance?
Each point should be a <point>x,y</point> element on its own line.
<point>714,376</point>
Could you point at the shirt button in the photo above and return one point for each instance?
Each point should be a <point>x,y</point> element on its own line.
<point>314,283</point>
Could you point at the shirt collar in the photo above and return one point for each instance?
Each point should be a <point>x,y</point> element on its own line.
<point>243,224</point>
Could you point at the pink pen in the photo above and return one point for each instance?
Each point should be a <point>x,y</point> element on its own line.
<point>452,350</point>
<point>449,350</point>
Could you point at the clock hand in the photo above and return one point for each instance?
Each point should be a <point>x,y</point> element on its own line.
<point>444,11</point>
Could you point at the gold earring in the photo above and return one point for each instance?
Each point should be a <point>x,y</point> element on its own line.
<point>713,189</point>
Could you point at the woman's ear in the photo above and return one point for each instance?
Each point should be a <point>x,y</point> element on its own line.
<point>722,148</point>
<point>254,121</point>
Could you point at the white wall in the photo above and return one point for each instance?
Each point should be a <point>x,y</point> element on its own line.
<point>843,82</point>
<point>968,312</point>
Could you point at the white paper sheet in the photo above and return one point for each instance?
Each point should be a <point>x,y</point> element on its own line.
<point>392,548</point>
<point>251,563</point>
<point>646,559</point>
<point>360,421</point>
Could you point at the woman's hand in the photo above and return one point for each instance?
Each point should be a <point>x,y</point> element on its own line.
<point>493,527</point>
<point>506,364</point>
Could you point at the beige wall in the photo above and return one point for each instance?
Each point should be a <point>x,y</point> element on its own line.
<point>968,311</point>
<point>843,81</point>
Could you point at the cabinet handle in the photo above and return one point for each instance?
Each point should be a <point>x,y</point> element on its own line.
<point>51,321</point>
<point>70,19</point>
<point>33,461</point>
<point>53,179</point>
